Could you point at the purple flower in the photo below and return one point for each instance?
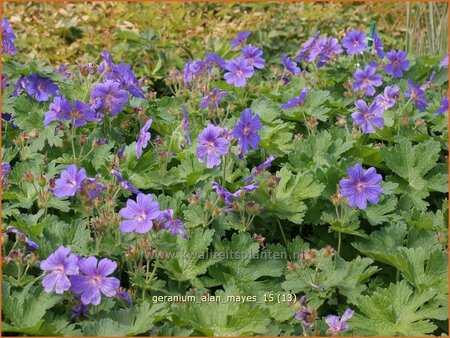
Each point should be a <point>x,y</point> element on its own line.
<point>193,69</point>
<point>329,50</point>
<point>61,265</point>
<point>20,85</point>
<point>8,38</point>
<point>107,64</point>
<point>305,51</point>
<point>444,62</point>
<point>240,39</point>
<point>367,117</point>
<point>59,110</point>
<point>296,101</point>
<point>213,99</point>
<point>6,170</point>
<point>290,65</point>
<point>40,87</point>
<point>143,138</point>
<point>211,145</point>
<point>228,197</point>
<point>239,70</point>
<point>398,63</point>
<point>366,80</point>
<point>260,168</point>
<point>125,184</point>
<point>4,81</point>
<point>416,94</point>
<point>337,324</point>
<point>95,280</point>
<point>443,108</point>
<point>125,76</point>
<point>185,125</point>
<point>378,45</point>
<point>80,310</point>
<point>108,97</point>
<point>139,214</point>
<point>174,226</point>
<point>387,99</point>
<point>362,186</point>
<point>62,70</point>
<point>70,181</point>
<point>427,84</point>
<point>354,42</point>
<point>123,294</point>
<point>81,113</point>
<point>92,188</point>
<point>32,246</point>
<point>306,315</point>
<point>246,131</point>
<point>254,56</point>
<point>214,60</point>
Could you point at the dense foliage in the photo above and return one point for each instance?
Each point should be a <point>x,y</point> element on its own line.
<point>247,192</point>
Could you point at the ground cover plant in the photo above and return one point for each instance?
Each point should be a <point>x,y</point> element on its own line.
<point>238,191</point>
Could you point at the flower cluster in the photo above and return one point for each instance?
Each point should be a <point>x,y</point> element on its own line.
<point>72,181</point>
<point>87,277</point>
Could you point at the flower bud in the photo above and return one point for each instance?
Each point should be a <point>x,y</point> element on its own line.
<point>441,238</point>
<point>33,134</point>
<point>311,122</point>
<point>42,180</point>
<point>216,212</point>
<point>336,199</point>
<point>193,199</point>
<point>208,205</point>
<point>273,181</point>
<point>253,208</point>
<point>405,120</point>
<point>28,177</point>
<point>329,251</point>
<point>298,137</point>
<point>420,123</point>
<point>341,122</point>
<point>291,266</point>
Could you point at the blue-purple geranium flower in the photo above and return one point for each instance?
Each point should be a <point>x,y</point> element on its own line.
<point>246,131</point>
<point>238,71</point>
<point>143,138</point>
<point>94,280</point>
<point>361,186</point>
<point>124,183</point>
<point>213,99</point>
<point>328,50</point>
<point>6,170</point>
<point>40,87</point>
<point>306,49</point>
<point>290,65</point>
<point>69,182</point>
<point>398,63</point>
<point>378,45</point>
<point>254,56</point>
<point>139,214</point>
<point>338,324</point>
<point>214,60</point>
<point>443,108</point>
<point>240,39</point>
<point>260,168</point>
<point>92,187</point>
<point>31,245</point>
<point>387,99</point>
<point>366,80</point>
<point>355,42</point>
<point>172,225</point>
<point>296,101</point>
<point>108,98</point>
<point>81,113</point>
<point>8,38</point>
<point>59,110</point>
<point>444,62</point>
<point>193,69</point>
<point>60,265</point>
<point>211,146</point>
<point>368,117</point>
<point>416,94</point>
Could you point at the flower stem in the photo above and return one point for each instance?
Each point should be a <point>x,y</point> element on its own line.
<point>224,170</point>
<point>72,137</point>
<point>339,243</point>
<point>282,233</point>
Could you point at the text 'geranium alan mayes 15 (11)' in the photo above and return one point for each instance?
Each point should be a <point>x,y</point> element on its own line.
<point>269,188</point>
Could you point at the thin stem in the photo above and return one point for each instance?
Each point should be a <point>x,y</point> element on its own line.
<point>72,137</point>
<point>282,233</point>
<point>339,243</point>
<point>224,170</point>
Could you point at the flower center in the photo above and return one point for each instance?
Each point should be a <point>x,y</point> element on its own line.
<point>96,280</point>
<point>211,146</point>
<point>246,130</point>
<point>140,218</point>
<point>239,73</point>
<point>60,269</point>
<point>360,186</point>
<point>72,183</point>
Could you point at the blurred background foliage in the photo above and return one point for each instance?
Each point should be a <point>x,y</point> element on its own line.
<point>65,32</point>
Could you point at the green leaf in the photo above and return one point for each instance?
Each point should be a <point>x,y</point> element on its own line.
<point>397,310</point>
